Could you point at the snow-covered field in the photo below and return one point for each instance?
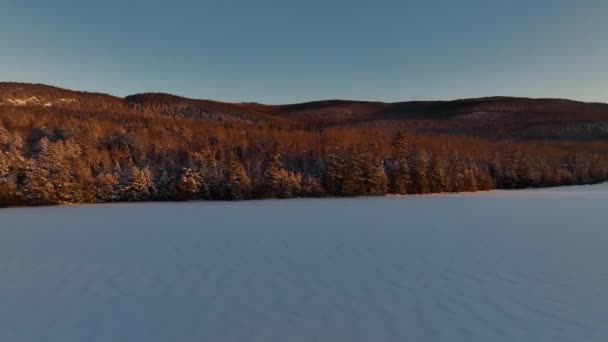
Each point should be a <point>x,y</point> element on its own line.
<point>499,266</point>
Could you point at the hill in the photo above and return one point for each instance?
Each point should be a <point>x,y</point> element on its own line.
<point>65,146</point>
<point>492,117</point>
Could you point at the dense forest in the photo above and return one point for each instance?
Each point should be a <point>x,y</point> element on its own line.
<point>61,146</point>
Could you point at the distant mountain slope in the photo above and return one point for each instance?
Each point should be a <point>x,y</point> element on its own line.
<point>491,116</point>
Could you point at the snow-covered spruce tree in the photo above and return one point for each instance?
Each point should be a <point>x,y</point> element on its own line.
<point>311,186</point>
<point>106,187</point>
<point>140,186</point>
<point>469,182</point>
<point>496,170</point>
<point>211,175</point>
<point>189,184</point>
<point>400,146</point>
<point>236,184</point>
<point>353,177</point>
<point>335,170</point>
<point>165,186</point>
<point>9,194</point>
<point>365,174</point>
<point>68,174</point>
<point>399,170</point>
<point>437,173</point>
<point>454,179</point>
<point>37,189</point>
<point>510,170</point>
<point>400,177</point>
<point>418,164</point>
<point>278,182</point>
<point>376,179</point>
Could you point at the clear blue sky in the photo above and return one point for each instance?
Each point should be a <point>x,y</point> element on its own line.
<point>288,51</point>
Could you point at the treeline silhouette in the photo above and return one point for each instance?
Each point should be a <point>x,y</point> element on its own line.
<point>152,151</point>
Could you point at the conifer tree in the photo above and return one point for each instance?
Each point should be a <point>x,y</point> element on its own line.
<point>189,185</point>
<point>237,184</point>
<point>311,186</point>
<point>106,187</point>
<point>165,186</point>
<point>399,168</point>
<point>418,165</point>
<point>335,165</point>
<point>437,173</point>
<point>140,186</point>
<point>8,179</point>
<point>37,189</point>
<point>400,177</point>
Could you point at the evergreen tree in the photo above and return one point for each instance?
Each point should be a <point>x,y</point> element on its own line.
<point>166,187</point>
<point>189,185</point>
<point>365,174</point>
<point>278,182</point>
<point>237,184</point>
<point>211,175</point>
<point>8,179</point>
<point>399,168</point>
<point>400,146</point>
<point>140,186</point>
<point>469,181</point>
<point>311,186</point>
<point>354,173</point>
<point>377,181</point>
<point>106,187</point>
<point>418,165</point>
<point>510,170</point>
<point>437,173</point>
<point>37,189</point>
<point>335,166</point>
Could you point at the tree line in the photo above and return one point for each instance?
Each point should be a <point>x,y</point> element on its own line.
<point>50,156</point>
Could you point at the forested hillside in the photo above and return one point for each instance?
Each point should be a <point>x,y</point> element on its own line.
<point>62,146</point>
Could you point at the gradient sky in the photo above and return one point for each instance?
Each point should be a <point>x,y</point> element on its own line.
<point>290,51</point>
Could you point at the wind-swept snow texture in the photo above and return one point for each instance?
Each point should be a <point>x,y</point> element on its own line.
<point>498,266</point>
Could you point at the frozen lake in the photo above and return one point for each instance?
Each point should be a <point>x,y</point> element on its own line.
<point>499,266</point>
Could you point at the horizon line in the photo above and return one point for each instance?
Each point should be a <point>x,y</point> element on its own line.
<point>296,103</point>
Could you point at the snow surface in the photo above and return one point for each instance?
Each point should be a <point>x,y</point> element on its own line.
<point>498,266</point>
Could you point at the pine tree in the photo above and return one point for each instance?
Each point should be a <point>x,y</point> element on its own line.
<point>400,146</point>
<point>510,170</point>
<point>496,170</point>
<point>37,188</point>
<point>437,173</point>
<point>273,183</point>
<point>354,173</point>
<point>189,185</point>
<point>237,184</point>
<point>63,161</point>
<point>469,181</point>
<point>364,175</point>
<point>311,186</point>
<point>8,179</point>
<point>418,165</point>
<point>140,186</point>
<point>106,187</point>
<point>335,165</point>
<point>399,168</point>
<point>484,179</point>
<point>400,178</point>
<point>212,176</point>
<point>278,182</point>
<point>377,179</point>
<point>166,187</point>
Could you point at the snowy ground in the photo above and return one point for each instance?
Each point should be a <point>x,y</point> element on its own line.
<point>499,266</point>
